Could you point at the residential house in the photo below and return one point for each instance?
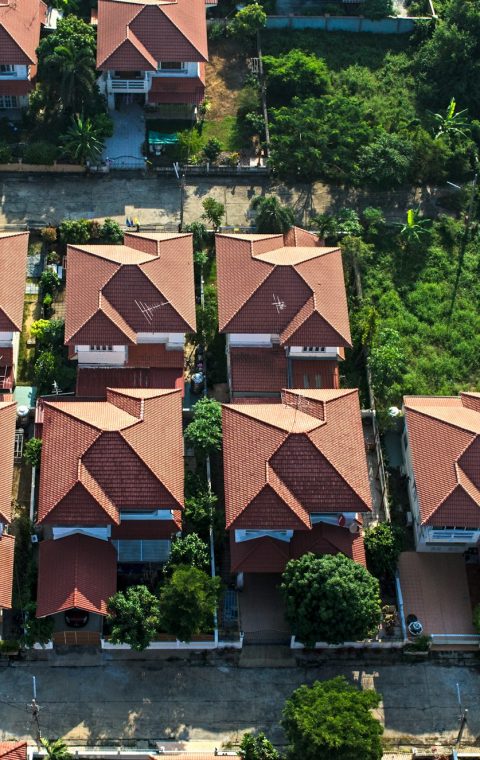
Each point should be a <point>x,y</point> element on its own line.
<point>20,23</point>
<point>110,494</point>
<point>7,542</point>
<point>152,52</point>
<point>13,750</point>
<point>128,308</point>
<point>283,307</point>
<point>13,265</point>
<point>296,479</point>
<point>441,446</point>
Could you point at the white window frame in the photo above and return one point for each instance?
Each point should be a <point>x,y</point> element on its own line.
<point>154,514</point>
<point>101,348</point>
<point>8,101</point>
<point>164,66</point>
<point>6,69</point>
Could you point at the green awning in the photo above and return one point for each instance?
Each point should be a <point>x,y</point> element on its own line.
<point>161,138</point>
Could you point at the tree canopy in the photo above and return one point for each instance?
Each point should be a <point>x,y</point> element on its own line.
<point>332,719</point>
<point>134,616</point>
<point>383,544</point>
<point>330,598</point>
<point>205,430</point>
<point>188,601</point>
<point>270,215</point>
<point>257,747</point>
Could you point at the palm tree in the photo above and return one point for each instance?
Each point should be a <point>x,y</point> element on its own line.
<point>452,123</point>
<point>82,141</point>
<point>415,226</point>
<point>68,74</point>
<point>271,215</point>
<point>56,749</point>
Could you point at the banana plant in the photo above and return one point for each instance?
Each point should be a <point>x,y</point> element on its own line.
<point>415,226</point>
<point>451,123</point>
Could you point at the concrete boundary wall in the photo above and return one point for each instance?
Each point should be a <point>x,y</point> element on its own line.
<point>391,25</point>
<point>22,168</point>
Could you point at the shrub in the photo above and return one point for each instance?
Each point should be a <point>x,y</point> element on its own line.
<point>189,550</point>
<point>385,161</point>
<point>134,616</point>
<point>5,153</point>
<point>75,231</point>
<point>378,8</point>
<point>49,234</point>
<point>40,153</point>
<point>248,21</point>
<point>9,645</point>
<point>32,451</point>
<point>257,748</point>
<point>383,544</point>
<point>44,370</point>
<point>111,232</point>
<point>104,125</point>
<point>212,149</point>
<point>49,281</point>
<point>189,144</point>
<point>37,630</point>
<point>188,601</point>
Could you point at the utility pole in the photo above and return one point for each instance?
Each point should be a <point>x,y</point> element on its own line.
<point>466,235</point>
<point>263,90</point>
<point>35,710</point>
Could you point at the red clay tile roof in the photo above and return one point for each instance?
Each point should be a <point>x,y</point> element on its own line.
<point>285,461</point>
<point>20,22</point>
<point>92,382</point>
<point>189,90</point>
<point>13,750</point>
<point>13,273</point>
<point>114,292</point>
<point>7,546</point>
<point>270,555</point>
<point>141,33</point>
<point>76,571</point>
<point>15,86</point>
<point>101,456</point>
<point>444,438</point>
<point>295,291</point>
<point>8,413</point>
<point>147,529</point>
<point>258,370</point>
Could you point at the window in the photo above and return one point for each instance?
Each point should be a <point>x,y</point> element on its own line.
<point>101,348</point>
<point>314,349</point>
<point>6,68</point>
<point>8,101</point>
<point>171,66</point>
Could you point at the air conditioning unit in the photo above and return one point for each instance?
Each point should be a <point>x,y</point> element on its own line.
<point>34,538</point>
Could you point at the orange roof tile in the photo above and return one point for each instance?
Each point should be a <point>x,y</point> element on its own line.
<point>444,438</point>
<point>143,33</point>
<point>8,413</point>
<point>101,456</point>
<point>13,750</point>
<point>13,268</point>
<point>115,292</point>
<point>7,546</point>
<point>265,285</point>
<point>76,571</point>
<point>285,461</point>
<point>20,30</point>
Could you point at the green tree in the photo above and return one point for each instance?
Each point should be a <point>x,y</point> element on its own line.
<point>296,73</point>
<point>212,149</point>
<point>36,630</point>
<point>56,749</point>
<point>383,544</point>
<point>32,451</point>
<point>387,362</point>
<point>204,433</point>
<point>74,231</point>
<point>134,616</point>
<point>44,371</point>
<point>336,226</point>
<point>67,67</point>
<point>332,719</point>
<point>198,511</point>
<point>378,8</point>
<point>248,21</point>
<point>189,550</point>
<point>83,142</point>
<point>188,601</point>
<point>111,232</point>
<point>385,161</point>
<point>257,747</point>
<point>200,235</point>
<point>49,334</point>
<point>213,212</point>
<point>330,598</point>
<point>49,281</point>
<point>271,215</point>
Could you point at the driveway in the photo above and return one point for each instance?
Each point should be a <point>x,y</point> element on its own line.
<point>162,700</point>
<point>124,148</point>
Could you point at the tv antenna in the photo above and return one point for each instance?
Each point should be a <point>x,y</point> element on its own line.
<point>34,707</point>
<point>56,389</point>
<point>147,310</point>
<point>278,303</point>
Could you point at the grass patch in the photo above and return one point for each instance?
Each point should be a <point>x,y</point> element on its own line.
<point>224,130</point>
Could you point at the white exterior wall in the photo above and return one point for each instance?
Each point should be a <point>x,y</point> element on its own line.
<point>159,514</point>
<point>330,352</point>
<point>116,357</point>
<point>110,83</point>
<point>191,69</point>
<point>172,340</point>
<point>6,339</point>
<point>429,538</point>
<point>251,535</point>
<point>250,339</point>
<point>20,71</point>
<point>102,533</point>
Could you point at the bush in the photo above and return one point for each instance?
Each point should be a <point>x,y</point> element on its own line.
<point>257,748</point>
<point>111,232</point>
<point>189,144</point>
<point>5,153</point>
<point>49,234</point>
<point>212,149</point>
<point>9,645</point>
<point>383,544</point>
<point>32,451</point>
<point>37,630</point>
<point>40,153</point>
<point>49,281</point>
<point>248,21</point>
<point>104,125</point>
<point>75,231</point>
<point>44,370</point>
<point>385,161</point>
<point>376,9</point>
<point>188,601</point>
<point>296,73</point>
<point>189,550</point>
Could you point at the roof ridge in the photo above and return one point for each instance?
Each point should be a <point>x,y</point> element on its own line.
<point>82,468</point>
<point>244,303</point>
<point>129,332</point>
<point>449,423</point>
<point>174,498</point>
<point>122,41</point>
<point>16,43</point>
<point>138,44</point>
<point>274,483</point>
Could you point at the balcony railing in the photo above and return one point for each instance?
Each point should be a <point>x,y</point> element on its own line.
<point>128,85</point>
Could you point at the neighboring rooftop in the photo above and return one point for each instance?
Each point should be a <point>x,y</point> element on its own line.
<point>7,546</point>
<point>20,22</point>
<point>13,750</point>
<point>8,413</point>
<point>99,457</point>
<point>139,35</point>
<point>114,292</point>
<point>284,462</point>
<point>444,437</point>
<point>13,267</point>
<point>289,286</point>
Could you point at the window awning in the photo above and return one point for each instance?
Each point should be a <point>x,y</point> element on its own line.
<point>78,571</point>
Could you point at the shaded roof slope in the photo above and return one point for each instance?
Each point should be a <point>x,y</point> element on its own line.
<point>8,413</point>
<point>101,456</point>
<point>288,286</point>
<point>13,268</point>
<point>7,546</point>
<point>444,437</point>
<point>285,461</point>
<point>13,750</point>
<point>143,33</point>
<point>20,22</point>
<point>114,292</point>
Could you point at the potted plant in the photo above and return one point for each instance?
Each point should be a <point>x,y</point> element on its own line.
<point>419,647</point>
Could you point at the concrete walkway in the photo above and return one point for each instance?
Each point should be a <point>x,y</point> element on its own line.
<point>49,199</point>
<point>161,700</point>
<point>124,148</point>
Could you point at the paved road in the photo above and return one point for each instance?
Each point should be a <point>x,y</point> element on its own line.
<point>209,704</point>
<point>42,199</point>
